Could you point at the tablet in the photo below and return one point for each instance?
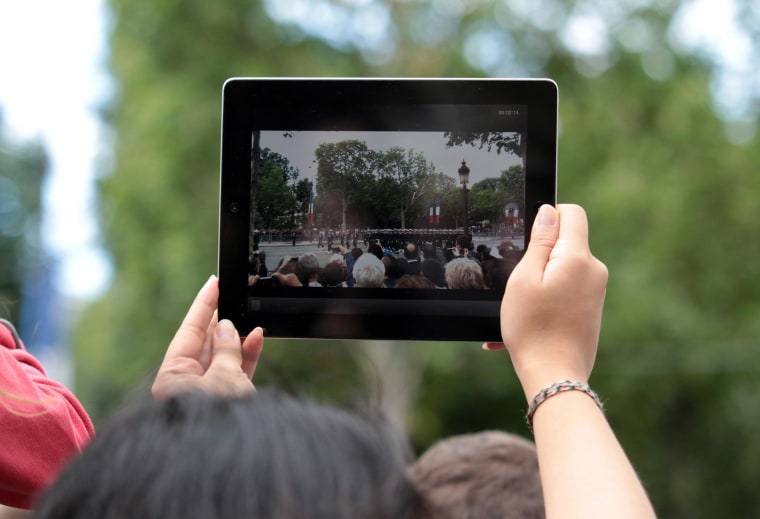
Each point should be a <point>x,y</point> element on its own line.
<point>379,208</point>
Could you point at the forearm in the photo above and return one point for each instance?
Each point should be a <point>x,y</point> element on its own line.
<point>584,471</point>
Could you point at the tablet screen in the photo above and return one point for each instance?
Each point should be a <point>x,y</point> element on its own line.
<point>379,208</point>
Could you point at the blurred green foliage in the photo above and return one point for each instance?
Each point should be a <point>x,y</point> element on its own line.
<point>23,166</point>
<point>671,202</point>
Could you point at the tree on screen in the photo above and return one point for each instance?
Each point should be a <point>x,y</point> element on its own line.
<point>409,177</point>
<point>341,169</point>
<point>499,141</point>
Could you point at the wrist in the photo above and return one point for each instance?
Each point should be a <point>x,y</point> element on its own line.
<point>555,389</point>
<point>537,381</point>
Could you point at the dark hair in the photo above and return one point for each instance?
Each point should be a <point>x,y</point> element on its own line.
<point>333,274</point>
<point>409,281</point>
<point>480,476</point>
<point>287,265</point>
<point>270,455</point>
<point>496,273</point>
<point>433,270</point>
<point>464,241</point>
<point>375,249</point>
<point>392,267</point>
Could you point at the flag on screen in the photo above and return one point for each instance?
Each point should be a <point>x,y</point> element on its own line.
<point>311,208</point>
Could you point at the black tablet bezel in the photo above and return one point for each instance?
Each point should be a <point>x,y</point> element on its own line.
<point>251,104</point>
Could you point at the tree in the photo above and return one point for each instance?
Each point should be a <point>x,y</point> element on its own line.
<point>487,200</point>
<point>275,190</point>
<point>511,143</point>
<point>512,181</point>
<point>341,169</point>
<point>302,191</point>
<point>411,178</point>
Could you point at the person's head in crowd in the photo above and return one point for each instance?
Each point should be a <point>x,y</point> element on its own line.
<point>369,272</point>
<point>253,264</point>
<point>464,273</point>
<point>409,281</point>
<point>392,270</point>
<point>496,273</point>
<point>410,266</point>
<point>356,252</point>
<point>411,253</point>
<point>433,270</point>
<point>464,242</point>
<point>483,253</point>
<point>376,250</point>
<point>308,268</point>
<point>449,254</point>
<point>480,476</point>
<point>334,273</point>
<point>508,250</point>
<point>267,455</point>
<point>428,250</point>
<point>288,265</point>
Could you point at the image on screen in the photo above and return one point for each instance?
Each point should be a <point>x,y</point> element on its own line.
<point>434,210</point>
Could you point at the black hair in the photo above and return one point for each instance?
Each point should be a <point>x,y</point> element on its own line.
<point>496,273</point>
<point>269,455</point>
<point>375,249</point>
<point>433,270</point>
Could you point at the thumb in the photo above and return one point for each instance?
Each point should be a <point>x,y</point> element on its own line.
<point>227,351</point>
<point>542,239</point>
<point>225,375</point>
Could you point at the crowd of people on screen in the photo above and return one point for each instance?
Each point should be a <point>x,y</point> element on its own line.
<point>405,260</point>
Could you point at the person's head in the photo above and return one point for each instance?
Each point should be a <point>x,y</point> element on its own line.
<point>392,267</point>
<point>287,265</point>
<point>269,455</point>
<point>308,267</point>
<point>253,263</point>
<point>508,250</point>
<point>411,252</point>
<point>480,476</point>
<point>356,252</point>
<point>334,273</point>
<point>464,273</point>
<point>483,252</point>
<point>464,242</point>
<point>433,270</point>
<point>376,250</point>
<point>409,281</point>
<point>496,273</point>
<point>369,272</point>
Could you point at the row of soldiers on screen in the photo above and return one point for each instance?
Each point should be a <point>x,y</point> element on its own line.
<point>376,268</point>
<point>330,239</point>
<point>394,239</point>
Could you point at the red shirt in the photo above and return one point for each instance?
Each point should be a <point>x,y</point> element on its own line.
<point>42,424</point>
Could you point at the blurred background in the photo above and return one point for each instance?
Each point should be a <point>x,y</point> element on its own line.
<point>109,160</point>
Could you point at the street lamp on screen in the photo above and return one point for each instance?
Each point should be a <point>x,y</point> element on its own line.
<point>464,177</point>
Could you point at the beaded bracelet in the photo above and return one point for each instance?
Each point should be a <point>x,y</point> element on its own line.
<point>559,387</point>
